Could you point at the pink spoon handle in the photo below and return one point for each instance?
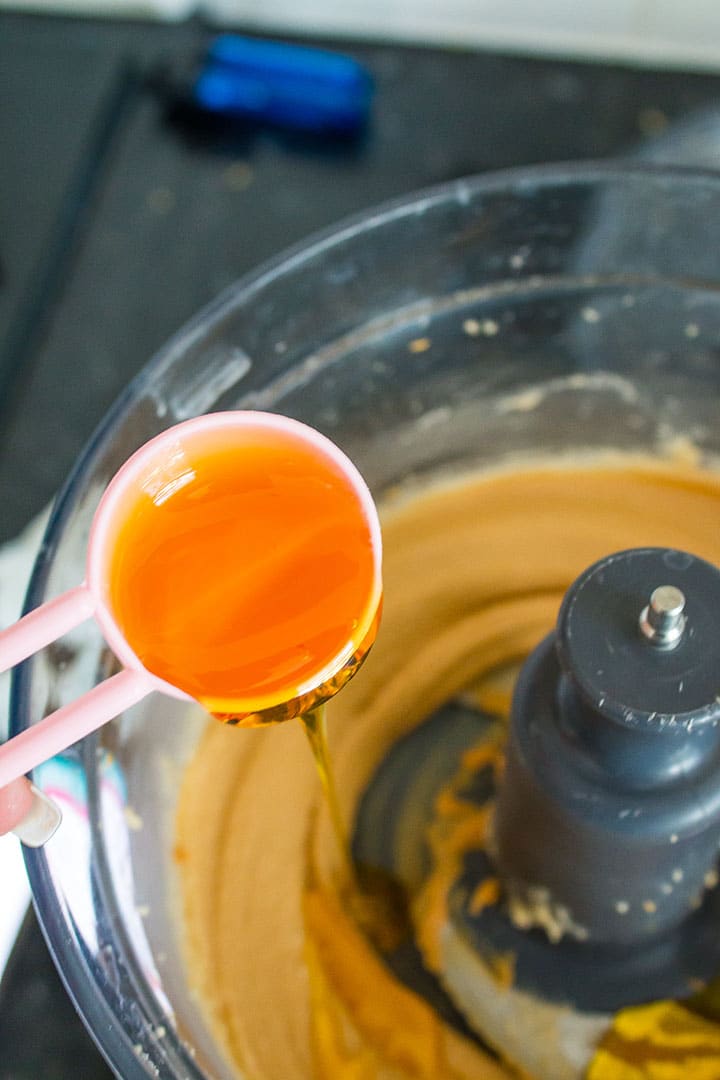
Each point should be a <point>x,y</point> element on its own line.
<point>43,625</point>
<point>72,722</point>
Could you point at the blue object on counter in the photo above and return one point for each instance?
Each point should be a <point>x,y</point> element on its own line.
<point>289,85</point>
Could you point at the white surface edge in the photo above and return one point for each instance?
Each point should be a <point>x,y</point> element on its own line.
<point>14,896</point>
<point>16,561</point>
<point>660,33</point>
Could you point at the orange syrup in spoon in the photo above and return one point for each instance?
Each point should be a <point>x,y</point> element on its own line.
<point>248,577</point>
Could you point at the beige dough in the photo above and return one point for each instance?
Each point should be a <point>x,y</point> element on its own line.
<point>474,573</point>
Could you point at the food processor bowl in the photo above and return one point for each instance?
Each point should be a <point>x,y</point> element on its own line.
<point>541,311</point>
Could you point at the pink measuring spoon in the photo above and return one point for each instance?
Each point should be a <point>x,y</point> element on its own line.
<point>152,469</point>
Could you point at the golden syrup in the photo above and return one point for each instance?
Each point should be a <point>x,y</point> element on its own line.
<point>373,898</point>
<point>315,724</point>
<point>248,578</point>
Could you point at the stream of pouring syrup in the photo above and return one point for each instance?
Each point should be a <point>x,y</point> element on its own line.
<point>246,576</point>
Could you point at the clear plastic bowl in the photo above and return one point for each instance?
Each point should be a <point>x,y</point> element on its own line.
<point>551,309</point>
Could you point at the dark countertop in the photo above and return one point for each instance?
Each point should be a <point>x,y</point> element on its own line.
<point>117,224</point>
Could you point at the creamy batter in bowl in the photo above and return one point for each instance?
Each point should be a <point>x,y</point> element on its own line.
<point>468,591</point>
<point>499,325</point>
